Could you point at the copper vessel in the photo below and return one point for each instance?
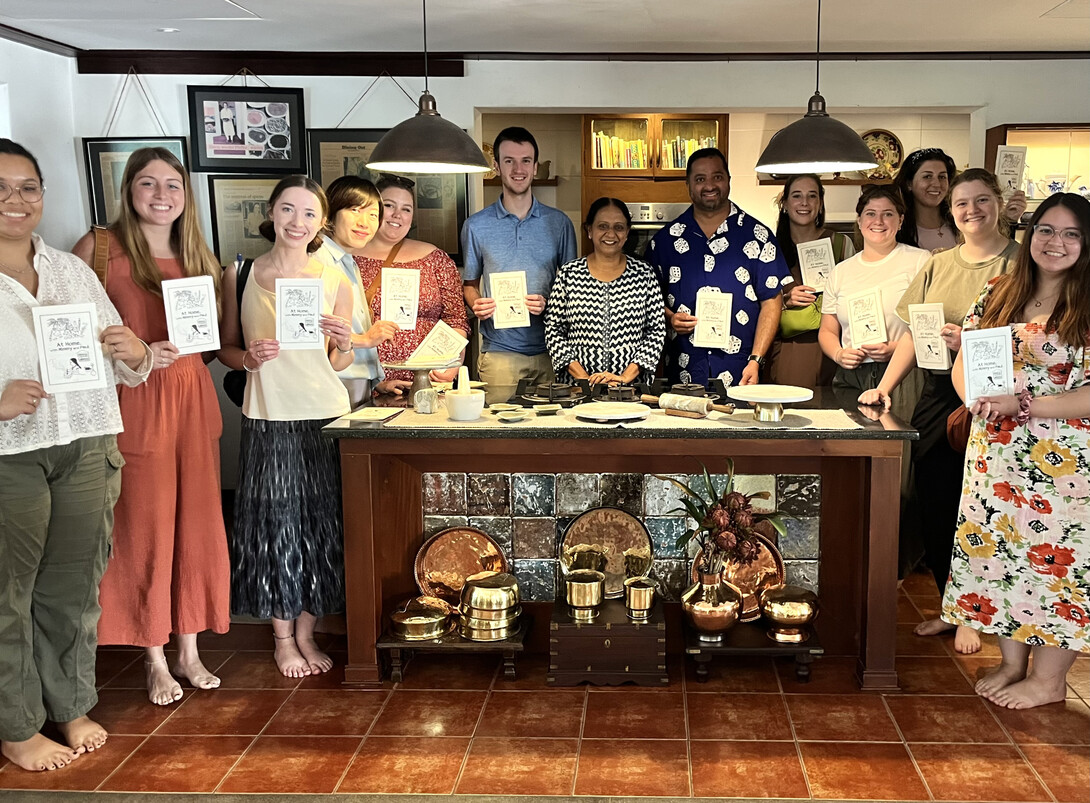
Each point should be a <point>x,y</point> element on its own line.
<point>712,606</point>
<point>790,610</point>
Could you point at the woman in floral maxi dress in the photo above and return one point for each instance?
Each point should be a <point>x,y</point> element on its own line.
<point>1021,560</point>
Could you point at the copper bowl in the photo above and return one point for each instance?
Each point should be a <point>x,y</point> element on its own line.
<point>490,591</point>
<point>422,619</point>
<point>790,609</point>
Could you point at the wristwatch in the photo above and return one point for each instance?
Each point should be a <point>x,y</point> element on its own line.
<point>757,358</point>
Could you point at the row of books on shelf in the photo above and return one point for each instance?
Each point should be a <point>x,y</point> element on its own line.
<point>614,152</point>
<point>676,151</point>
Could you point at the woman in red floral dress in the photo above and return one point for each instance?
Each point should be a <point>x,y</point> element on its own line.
<point>1021,561</point>
<point>440,283</point>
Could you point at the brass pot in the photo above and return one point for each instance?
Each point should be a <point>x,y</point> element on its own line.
<point>487,635</point>
<point>585,591</point>
<point>790,610</point>
<point>592,557</point>
<point>422,619</point>
<point>488,624</point>
<point>639,597</point>
<point>490,591</point>
<point>712,606</point>
<point>478,613</point>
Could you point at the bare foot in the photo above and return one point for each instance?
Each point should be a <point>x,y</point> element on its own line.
<point>1030,693</point>
<point>196,673</point>
<point>83,734</point>
<point>318,660</point>
<point>933,627</point>
<point>999,678</point>
<point>162,688</point>
<point>966,640</point>
<point>289,660</point>
<point>38,753</point>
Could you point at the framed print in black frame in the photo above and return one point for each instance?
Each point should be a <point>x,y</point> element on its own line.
<point>440,198</point>
<point>106,158</point>
<point>238,205</point>
<point>247,129</point>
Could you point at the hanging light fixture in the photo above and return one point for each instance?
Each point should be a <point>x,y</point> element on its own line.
<point>426,143</point>
<point>817,143</point>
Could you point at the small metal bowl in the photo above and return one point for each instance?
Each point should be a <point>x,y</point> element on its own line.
<point>477,613</point>
<point>790,609</point>
<point>422,619</point>
<point>471,623</point>
<point>585,590</point>
<point>492,592</point>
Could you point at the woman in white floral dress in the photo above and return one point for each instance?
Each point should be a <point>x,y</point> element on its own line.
<point>1021,560</point>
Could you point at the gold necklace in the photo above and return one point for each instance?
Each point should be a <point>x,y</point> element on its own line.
<point>6,266</point>
<point>1038,302</point>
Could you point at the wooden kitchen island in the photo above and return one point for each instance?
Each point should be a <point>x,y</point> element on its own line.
<point>860,502</point>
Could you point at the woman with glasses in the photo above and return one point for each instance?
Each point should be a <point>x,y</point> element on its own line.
<point>60,475</point>
<point>440,283</point>
<point>604,320</point>
<point>953,278</point>
<point>796,357</point>
<point>1021,557</point>
<point>169,573</point>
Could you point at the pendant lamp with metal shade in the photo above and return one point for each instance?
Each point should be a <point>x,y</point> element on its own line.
<point>426,143</point>
<point>817,143</point>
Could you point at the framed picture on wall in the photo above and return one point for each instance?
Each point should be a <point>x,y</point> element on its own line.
<point>238,205</point>
<point>238,129</point>
<point>440,199</point>
<point>106,158</point>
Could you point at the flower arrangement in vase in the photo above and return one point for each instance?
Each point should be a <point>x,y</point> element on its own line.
<point>728,532</point>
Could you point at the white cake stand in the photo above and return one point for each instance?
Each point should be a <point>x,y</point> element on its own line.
<point>424,396</point>
<point>768,400</point>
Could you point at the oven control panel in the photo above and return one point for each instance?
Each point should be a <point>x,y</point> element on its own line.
<point>655,212</point>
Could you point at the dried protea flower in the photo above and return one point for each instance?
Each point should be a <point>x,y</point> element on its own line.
<point>734,501</point>
<point>743,519</point>
<point>726,540</point>
<point>720,518</point>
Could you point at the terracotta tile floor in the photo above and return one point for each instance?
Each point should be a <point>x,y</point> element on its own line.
<point>456,727</point>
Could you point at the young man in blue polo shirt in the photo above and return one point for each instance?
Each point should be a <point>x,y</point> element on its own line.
<point>518,232</point>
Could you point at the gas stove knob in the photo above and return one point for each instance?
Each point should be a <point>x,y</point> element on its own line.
<point>659,215</point>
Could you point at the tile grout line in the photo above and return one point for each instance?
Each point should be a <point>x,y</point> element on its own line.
<point>579,740</point>
<point>794,736</point>
<point>908,750</point>
<point>1018,748</point>
<point>363,741</point>
<point>473,733</point>
<point>259,734</point>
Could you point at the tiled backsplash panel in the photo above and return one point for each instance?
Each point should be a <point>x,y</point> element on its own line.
<point>528,514</point>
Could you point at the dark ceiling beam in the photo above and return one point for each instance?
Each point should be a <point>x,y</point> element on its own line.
<point>900,55</point>
<point>35,41</point>
<point>229,62</point>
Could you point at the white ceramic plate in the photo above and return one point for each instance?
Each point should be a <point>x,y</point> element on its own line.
<point>612,411</point>
<point>770,394</point>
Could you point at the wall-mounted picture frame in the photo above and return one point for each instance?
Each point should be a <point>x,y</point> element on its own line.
<point>105,159</point>
<point>440,198</point>
<point>238,205</point>
<point>240,129</point>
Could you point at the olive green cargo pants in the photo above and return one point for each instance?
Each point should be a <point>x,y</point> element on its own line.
<point>56,516</point>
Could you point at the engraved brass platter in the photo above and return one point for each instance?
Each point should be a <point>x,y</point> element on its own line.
<point>449,557</point>
<point>618,532</point>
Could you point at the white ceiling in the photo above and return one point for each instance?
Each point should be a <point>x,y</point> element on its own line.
<point>558,26</point>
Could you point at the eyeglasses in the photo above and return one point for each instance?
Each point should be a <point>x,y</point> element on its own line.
<point>1046,232</point>
<point>31,193</point>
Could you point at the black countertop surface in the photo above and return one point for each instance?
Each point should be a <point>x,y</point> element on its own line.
<point>876,425</point>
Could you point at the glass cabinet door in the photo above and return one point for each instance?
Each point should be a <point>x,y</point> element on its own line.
<point>620,143</point>
<point>680,137</point>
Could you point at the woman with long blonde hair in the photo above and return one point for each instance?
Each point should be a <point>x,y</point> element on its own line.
<point>169,571</point>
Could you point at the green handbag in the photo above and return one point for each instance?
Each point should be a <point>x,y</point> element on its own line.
<point>795,322</point>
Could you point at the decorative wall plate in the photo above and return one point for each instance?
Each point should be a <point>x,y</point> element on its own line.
<point>449,557</point>
<point>617,531</point>
<point>887,150</point>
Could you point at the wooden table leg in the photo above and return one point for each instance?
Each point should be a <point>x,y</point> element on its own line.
<point>702,662</point>
<point>396,674</point>
<point>509,664</point>
<point>802,666</point>
<point>877,671</point>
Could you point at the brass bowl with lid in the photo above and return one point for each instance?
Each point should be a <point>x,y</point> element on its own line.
<point>473,623</point>
<point>499,634</point>
<point>490,591</point>
<point>422,619</point>
<point>790,610</point>
<point>485,615</point>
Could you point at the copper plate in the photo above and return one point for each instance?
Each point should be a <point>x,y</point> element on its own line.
<point>617,531</point>
<point>765,570</point>
<point>449,557</point>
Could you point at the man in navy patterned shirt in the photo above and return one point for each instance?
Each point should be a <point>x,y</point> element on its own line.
<point>714,245</point>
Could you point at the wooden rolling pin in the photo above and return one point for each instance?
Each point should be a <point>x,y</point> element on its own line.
<point>687,406</point>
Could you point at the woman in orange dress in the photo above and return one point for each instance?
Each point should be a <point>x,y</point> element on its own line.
<point>169,571</point>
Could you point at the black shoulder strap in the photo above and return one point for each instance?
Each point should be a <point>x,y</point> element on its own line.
<point>240,286</point>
